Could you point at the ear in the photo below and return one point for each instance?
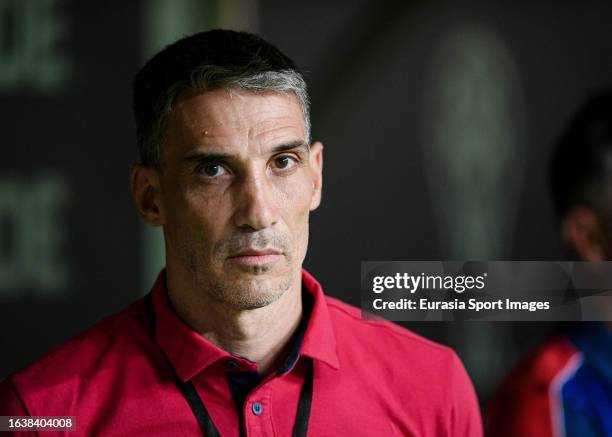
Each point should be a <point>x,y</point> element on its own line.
<point>582,232</point>
<point>146,191</point>
<point>316,167</point>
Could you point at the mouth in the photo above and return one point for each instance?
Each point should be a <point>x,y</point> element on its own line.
<point>256,257</point>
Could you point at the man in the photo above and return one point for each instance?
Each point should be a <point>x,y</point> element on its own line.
<point>565,387</point>
<point>235,338</point>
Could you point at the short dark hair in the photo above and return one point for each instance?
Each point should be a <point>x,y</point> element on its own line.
<point>582,160</point>
<point>206,61</point>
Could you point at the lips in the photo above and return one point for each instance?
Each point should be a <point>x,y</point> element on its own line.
<point>256,256</point>
<point>254,252</point>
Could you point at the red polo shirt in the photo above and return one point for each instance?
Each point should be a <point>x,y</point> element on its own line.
<point>371,378</point>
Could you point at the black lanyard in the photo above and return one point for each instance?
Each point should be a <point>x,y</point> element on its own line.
<point>199,410</point>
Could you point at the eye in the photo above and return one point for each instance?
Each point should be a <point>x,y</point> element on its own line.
<point>212,170</point>
<point>284,162</point>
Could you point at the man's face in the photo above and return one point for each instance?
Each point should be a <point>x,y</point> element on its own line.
<point>236,189</point>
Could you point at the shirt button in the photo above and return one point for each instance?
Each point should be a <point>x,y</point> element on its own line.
<point>231,365</point>
<point>257,408</point>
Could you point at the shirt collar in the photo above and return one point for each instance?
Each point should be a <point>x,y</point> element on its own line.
<point>190,353</point>
<point>186,349</point>
<point>319,341</point>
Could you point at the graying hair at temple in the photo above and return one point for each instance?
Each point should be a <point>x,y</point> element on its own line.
<point>212,77</point>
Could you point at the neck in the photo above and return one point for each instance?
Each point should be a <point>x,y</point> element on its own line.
<point>262,335</point>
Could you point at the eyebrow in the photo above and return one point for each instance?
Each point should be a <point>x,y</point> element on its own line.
<point>299,144</point>
<point>213,157</point>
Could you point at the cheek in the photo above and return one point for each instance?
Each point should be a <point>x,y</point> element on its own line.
<point>295,212</point>
<point>295,198</point>
<point>193,214</point>
<point>205,212</point>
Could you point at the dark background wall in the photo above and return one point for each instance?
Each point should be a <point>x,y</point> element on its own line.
<point>437,117</point>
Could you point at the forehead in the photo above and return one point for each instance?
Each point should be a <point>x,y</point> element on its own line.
<point>228,117</point>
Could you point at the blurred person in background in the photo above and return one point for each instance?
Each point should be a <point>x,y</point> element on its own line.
<point>235,337</point>
<point>564,388</point>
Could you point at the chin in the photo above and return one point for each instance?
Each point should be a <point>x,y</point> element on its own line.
<point>255,270</point>
<point>255,292</point>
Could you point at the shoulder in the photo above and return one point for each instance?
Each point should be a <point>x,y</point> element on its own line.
<point>541,367</point>
<point>534,376</point>
<point>400,347</point>
<point>83,359</point>
<point>402,368</point>
<point>524,400</point>
<point>377,336</point>
<point>348,317</point>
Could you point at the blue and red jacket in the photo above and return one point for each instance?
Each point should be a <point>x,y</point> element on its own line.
<point>563,389</point>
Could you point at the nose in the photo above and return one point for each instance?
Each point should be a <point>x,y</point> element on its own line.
<point>256,209</point>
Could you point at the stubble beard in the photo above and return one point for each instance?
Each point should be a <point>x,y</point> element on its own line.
<point>246,287</point>
<point>249,294</point>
